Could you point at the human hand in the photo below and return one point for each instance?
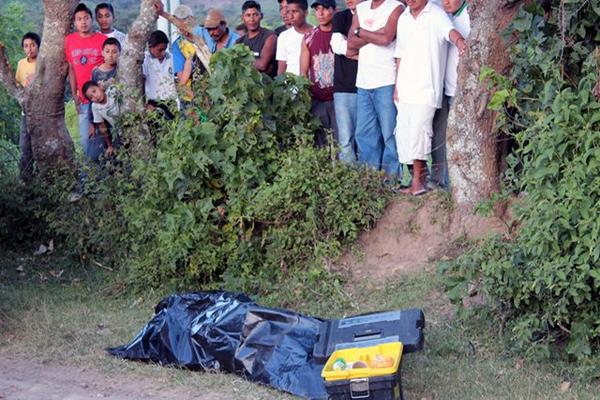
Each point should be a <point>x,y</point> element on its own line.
<point>91,131</point>
<point>77,103</point>
<point>461,45</point>
<point>109,151</point>
<point>159,7</point>
<point>396,98</point>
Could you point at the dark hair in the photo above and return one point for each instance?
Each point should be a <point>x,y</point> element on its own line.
<point>156,38</point>
<point>250,4</point>
<point>107,6</point>
<point>302,3</point>
<point>82,7</point>
<point>86,86</point>
<point>33,36</point>
<point>111,41</point>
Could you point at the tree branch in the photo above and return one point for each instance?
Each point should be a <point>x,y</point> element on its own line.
<point>7,77</point>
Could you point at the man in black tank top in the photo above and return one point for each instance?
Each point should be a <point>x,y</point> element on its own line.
<point>260,40</point>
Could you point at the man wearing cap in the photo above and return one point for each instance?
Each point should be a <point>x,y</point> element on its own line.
<point>217,35</point>
<point>317,64</point>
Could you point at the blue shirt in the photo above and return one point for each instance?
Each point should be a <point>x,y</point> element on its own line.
<point>179,59</point>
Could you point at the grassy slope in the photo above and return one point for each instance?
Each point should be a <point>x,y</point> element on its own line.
<point>72,319</point>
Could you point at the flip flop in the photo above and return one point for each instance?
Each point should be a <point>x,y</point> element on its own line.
<point>420,192</point>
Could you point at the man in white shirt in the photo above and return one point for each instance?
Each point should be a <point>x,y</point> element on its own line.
<point>289,42</point>
<point>459,15</point>
<point>424,32</point>
<point>372,37</point>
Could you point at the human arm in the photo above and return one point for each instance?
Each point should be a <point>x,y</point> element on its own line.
<point>267,54</point>
<point>73,86</point>
<point>381,37</point>
<point>185,75</point>
<point>106,136</point>
<point>281,67</point>
<point>304,59</point>
<point>458,40</point>
<point>396,83</point>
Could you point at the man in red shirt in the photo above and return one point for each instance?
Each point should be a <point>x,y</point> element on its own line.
<point>317,64</point>
<point>83,49</point>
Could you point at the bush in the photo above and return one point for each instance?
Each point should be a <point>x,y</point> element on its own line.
<point>545,283</point>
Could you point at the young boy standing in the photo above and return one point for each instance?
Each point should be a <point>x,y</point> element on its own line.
<point>159,80</point>
<point>105,107</point>
<point>317,64</point>
<point>424,32</point>
<point>459,15</point>
<point>24,76</point>
<point>83,49</point>
<point>103,74</point>
<point>105,14</point>
<point>289,43</point>
<point>284,18</point>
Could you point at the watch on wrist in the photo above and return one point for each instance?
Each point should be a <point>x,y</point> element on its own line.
<point>357,32</point>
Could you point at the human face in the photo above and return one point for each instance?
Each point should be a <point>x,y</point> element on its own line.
<point>95,94</point>
<point>186,25</point>
<point>83,22</point>
<point>251,18</point>
<point>283,11</point>
<point>30,48</point>
<point>324,15</point>
<point>105,20</point>
<point>110,52</point>
<point>296,15</point>
<point>416,5</point>
<point>351,4</point>
<point>217,33</point>
<point>159,51</point>
<point>451,6</point>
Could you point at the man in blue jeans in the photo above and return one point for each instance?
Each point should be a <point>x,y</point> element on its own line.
<point>344,83</point>
<point>372,37</point>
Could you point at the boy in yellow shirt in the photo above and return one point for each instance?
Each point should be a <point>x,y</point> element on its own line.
<point>24,76</point>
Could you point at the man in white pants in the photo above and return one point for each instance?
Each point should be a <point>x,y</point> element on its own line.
<point>423,34</point>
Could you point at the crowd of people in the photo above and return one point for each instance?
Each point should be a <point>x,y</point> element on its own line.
<point>383,74</point>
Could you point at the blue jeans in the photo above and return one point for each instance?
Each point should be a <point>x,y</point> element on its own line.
<point>345,115</point>
<point>375,123</point>
<point>92,147</point>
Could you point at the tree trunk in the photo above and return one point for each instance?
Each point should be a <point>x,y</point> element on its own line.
<point>43,100</point>
<point>132,56</point>
<point>472,140</point>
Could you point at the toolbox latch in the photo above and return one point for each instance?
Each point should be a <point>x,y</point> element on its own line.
<point>359,388</point>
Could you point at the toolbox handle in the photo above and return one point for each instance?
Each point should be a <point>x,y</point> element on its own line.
<point>368,335</point>
<point>359,388</point>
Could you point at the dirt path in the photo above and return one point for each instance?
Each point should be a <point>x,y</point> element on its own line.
<point>29,380</point>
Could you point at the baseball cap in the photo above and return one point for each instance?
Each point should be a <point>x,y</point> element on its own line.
<point>183,12</point>
<point>324,3</point>
<point>214,17</point>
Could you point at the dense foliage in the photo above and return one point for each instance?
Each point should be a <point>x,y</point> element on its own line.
<point>543,285</point>
<point>234,197</point>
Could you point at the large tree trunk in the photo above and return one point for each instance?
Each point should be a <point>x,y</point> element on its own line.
<point>43,102</point>
<point>132,56</point>
<point>473,145</point>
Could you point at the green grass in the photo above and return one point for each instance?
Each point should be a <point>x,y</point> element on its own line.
<point>72,319</point>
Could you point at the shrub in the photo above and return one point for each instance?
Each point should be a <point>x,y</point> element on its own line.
<point>546,282</point>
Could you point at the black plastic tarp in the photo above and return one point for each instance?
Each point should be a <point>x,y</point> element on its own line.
<point>229,332</point>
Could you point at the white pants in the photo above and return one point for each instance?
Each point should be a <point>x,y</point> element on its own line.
<point>414,129</point>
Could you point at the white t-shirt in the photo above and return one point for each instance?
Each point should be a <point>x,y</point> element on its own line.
<point>462,23</point>
<point>376,64</point>
<point>289,46</point>
<point>108,111</point>
<point>120,36</point>
<point>160,80</point>
<point>422,48</point>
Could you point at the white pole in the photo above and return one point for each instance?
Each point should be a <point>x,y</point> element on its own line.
<point>164,25</point>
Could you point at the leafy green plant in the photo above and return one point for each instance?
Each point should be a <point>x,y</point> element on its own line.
<point>544,284</point>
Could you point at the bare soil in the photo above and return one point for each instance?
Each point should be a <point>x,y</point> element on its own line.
<point>412,234</point>
<point>31,380</point>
